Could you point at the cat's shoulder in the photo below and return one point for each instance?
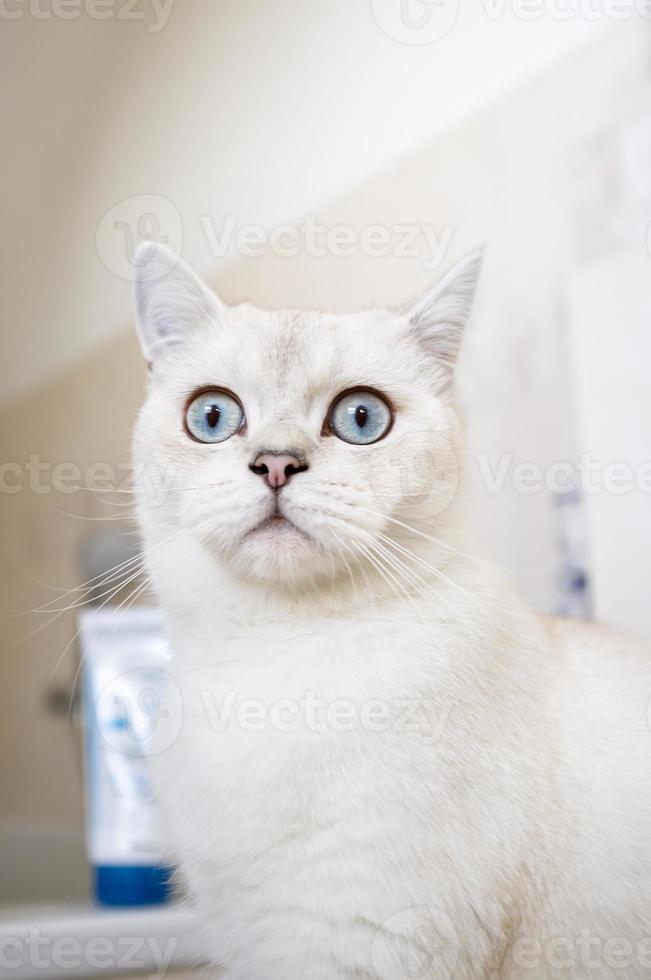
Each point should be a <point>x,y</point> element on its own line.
<point>595,642</point>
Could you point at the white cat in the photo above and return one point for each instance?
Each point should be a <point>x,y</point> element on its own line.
<point>388,767</point>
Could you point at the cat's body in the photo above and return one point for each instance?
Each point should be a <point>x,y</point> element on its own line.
<point>387,766</point>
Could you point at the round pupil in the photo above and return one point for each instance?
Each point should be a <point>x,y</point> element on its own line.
<point>212,415</point>
<point>361,415</point>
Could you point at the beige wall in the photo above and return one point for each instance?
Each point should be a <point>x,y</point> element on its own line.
<point>500,179</point>
<point>82,417</point>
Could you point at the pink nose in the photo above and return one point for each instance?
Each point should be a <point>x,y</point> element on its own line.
<point>277,468</point>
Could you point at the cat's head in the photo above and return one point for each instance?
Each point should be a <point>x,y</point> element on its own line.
<point>294,446</point>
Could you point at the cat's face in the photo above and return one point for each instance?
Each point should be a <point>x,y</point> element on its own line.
<point>288,445</point>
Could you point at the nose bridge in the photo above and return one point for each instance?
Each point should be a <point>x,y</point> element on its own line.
<point>282,436</point>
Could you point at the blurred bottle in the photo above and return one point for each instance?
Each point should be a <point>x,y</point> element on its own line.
<point>124,654</point>
<point>573,581</point>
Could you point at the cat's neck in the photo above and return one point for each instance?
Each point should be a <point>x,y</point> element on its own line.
<point>420,579</point>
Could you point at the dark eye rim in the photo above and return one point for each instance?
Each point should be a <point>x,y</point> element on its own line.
<point>205,390</point>
<point>328,428</point>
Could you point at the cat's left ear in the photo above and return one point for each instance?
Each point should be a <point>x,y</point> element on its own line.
<point>440,314</point>
<point>170,299</point>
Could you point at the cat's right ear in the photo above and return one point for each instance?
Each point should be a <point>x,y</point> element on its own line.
<point>170,299</point>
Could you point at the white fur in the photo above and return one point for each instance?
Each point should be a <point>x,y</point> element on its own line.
<point>511,809</point>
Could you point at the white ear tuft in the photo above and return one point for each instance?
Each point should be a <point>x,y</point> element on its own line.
<point>170,298</point>
<point>439,315</point>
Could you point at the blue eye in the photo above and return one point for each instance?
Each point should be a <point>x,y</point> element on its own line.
<point>361,417</point>
<point>213,416</point>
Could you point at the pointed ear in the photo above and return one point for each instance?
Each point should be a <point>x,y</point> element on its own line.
<point>170,299</point>
<point>440,314</point>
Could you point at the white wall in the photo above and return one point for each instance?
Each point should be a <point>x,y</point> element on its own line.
<point>612,344</point>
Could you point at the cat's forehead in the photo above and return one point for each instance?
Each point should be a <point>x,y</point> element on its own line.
<point>285,336</point>
<point>281,341</point>
<point>295,352</point>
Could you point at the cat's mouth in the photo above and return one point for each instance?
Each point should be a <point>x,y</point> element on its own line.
<point>277,524</point>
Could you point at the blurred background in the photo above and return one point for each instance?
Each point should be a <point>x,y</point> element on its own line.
<point>337,156</point>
